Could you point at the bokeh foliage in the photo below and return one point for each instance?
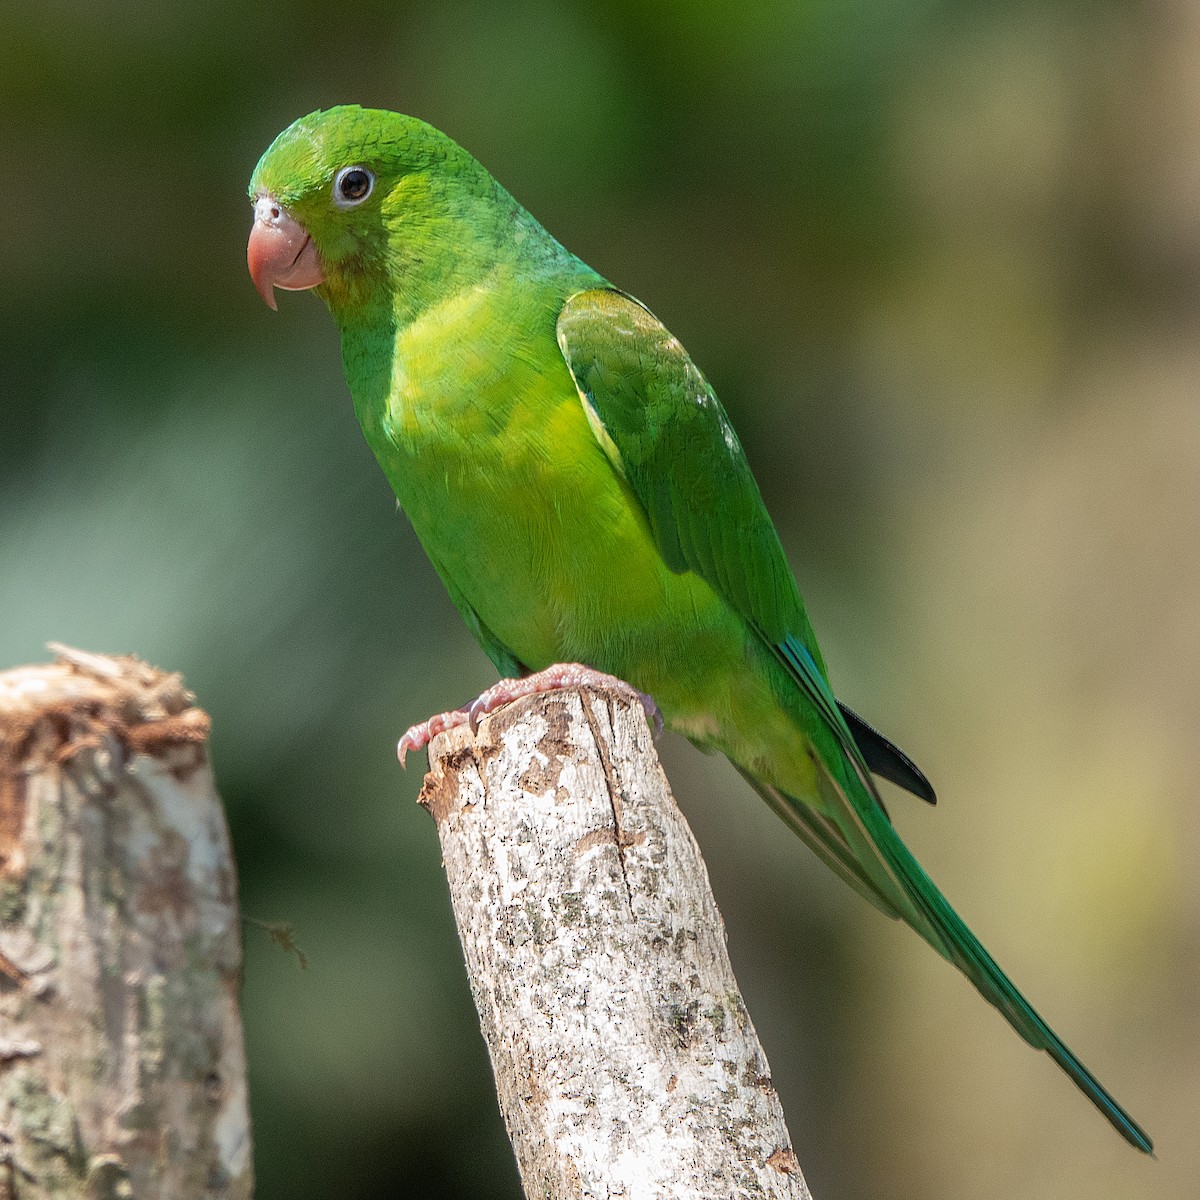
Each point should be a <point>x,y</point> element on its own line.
<point>940,261</point>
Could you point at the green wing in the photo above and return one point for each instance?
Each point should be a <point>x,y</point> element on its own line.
<point>667,434</point>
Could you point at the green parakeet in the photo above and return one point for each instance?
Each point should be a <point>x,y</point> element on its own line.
<point>582,494</point>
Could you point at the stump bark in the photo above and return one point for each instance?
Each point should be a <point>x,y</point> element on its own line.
<point>122,1071</point>
<point>626,1063</point>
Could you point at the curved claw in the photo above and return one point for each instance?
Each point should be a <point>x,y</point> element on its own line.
<point>652,714</point>
<point>404,745</point>
<point>479,707</point>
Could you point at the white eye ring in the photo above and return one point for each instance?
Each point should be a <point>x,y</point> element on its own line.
<point>351,186</point>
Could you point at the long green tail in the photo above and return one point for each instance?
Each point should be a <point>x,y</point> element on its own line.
<point>897,884</point>
<point>967,953</point>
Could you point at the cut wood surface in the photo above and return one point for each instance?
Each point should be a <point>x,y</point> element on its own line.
<point>625,1060</point>
<point>121,1062</point>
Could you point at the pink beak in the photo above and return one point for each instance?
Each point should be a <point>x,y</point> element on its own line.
<point>280,254</point>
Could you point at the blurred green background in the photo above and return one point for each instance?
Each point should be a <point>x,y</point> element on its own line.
<point>942,263</point>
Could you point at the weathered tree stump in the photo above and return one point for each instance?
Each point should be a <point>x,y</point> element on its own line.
<point>625,1060</point>
<point>122,1071</point>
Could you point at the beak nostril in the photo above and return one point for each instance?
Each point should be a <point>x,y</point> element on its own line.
<point>275,213</point>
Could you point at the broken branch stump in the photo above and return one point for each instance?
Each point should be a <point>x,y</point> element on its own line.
<point>625,1060</point>
<point>122,1070</point>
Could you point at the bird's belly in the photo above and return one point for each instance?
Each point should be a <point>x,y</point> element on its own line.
<point>554,557</point>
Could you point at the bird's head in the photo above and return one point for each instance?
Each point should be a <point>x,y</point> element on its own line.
<point>348,199</point>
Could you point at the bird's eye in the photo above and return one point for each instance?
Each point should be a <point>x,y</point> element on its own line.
<point>352,186</point>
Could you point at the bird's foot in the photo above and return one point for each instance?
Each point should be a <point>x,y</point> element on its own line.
<point>555,678</point>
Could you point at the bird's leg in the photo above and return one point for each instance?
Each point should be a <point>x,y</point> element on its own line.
<point>555,678</point>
